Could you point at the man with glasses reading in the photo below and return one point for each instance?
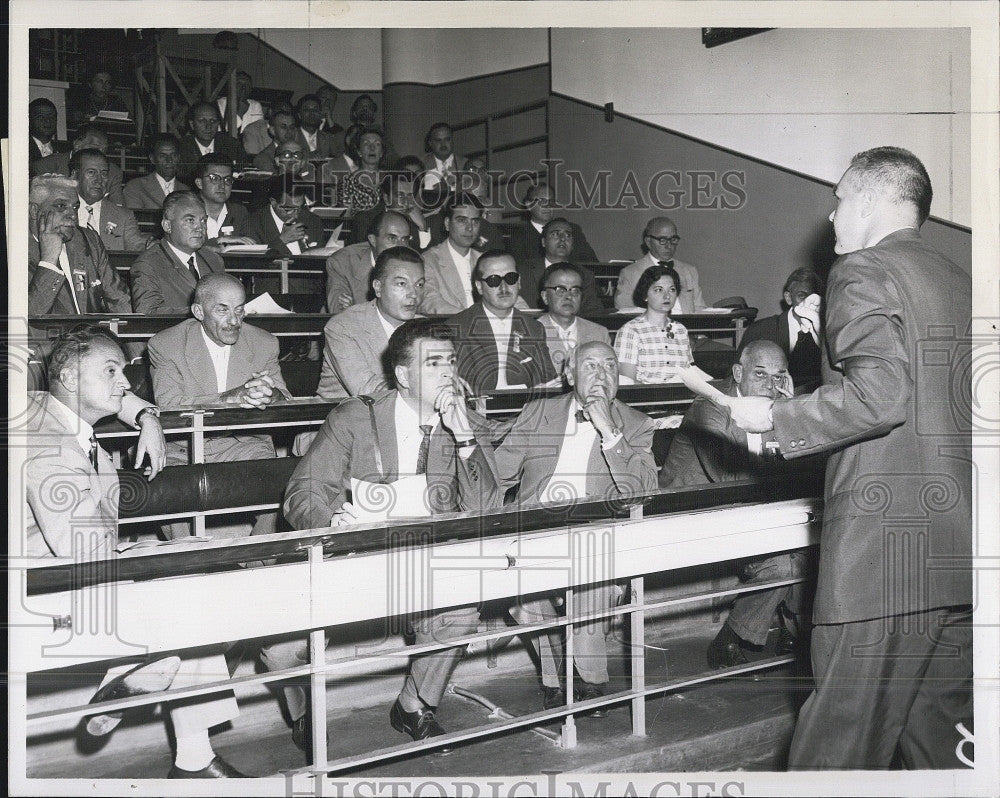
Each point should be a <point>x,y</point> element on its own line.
<point>496,345</point>
<point>227,222</point>
<point>659,242</point>
<point>562,292</point>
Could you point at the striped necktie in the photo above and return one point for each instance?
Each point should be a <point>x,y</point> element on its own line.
<point>90,218</point>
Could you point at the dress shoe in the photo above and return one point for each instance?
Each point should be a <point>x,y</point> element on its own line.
<point>218,768</point>
<point>586,692</point>
<point>553,697</point>
<point>302,734</point>
<point>147,677</point>
<point>419,725</point>
<point>728,649</point>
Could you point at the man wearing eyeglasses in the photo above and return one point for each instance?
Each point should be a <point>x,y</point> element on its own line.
<point>540,208</point>
<point>562,292</point>
<point>659,242</point>
<point>285,224</point>
<point>227,221</point>
<point>558,246</point>
<point>496,345</point>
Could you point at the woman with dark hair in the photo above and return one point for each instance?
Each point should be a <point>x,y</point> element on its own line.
<point>361,190</point>
<point>652,347</point>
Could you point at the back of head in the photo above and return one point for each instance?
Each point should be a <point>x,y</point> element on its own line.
<point>896,174</point>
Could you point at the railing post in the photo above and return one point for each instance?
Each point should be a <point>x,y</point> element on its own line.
<point>637,644</point>
<point>317,657</point>
<point>198,456</point>
<point>285,264</point>
<point>568,730</point>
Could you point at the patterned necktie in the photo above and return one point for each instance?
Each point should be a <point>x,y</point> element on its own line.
<point>425,447</point>
<point>94,459</point>
<point>193,266</point>
<point>90,218</point>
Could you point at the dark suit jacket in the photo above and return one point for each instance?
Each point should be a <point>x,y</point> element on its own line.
<point>188,154</point>
<point>327,145</point>
<point>58,163</point>
<point>531,272</point>
<point>161,284</point>
<point>478,360</point>
<point>97,285</point>
<point>35,154</point>
<point>892,419</point>
<point>262,229</point>
<point>144,193</point>
<point>344,448</point>
<point>775,328</point>
<point>237,218</point>
<point>526,242</point>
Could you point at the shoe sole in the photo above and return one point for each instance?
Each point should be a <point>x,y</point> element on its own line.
<point>151,677</point>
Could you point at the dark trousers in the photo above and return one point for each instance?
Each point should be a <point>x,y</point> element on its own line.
<point>890,690</point>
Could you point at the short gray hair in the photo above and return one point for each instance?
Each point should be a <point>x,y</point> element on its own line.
<point>43,186</point>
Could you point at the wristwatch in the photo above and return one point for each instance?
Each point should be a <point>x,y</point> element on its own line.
<point>153,410</point>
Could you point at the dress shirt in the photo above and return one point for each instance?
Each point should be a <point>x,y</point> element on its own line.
<point>434,177</point>
<point>566,334</point>
<point>64,269</point>
<point>796,325</point>
<point>82,431</point>
<point>538,227</point>
<point>464,263</point>
<point>208,149</point>
<point>220,360</point>
<point>86,219</point>
<point>44,149</point>
<point>409,436</point>
<point>185,257</point>
<point>293,246</point>
<point>386,324</point>
<point>255,112</point>
<point>310,139</point>
<point>215,225</point>
<point>166,185</point>
<point>569,479</point>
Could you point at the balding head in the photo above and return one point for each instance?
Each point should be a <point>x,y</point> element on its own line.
<point>592,371</point>
<point>218,305</point>
<point>763,366</point>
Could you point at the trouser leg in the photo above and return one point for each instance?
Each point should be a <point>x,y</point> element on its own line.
<point>291,652</point>
<point>192,715</point>
<point>751,614</point>
<point>590,646</point>
<point>429,673</point>
<point>549,644</point>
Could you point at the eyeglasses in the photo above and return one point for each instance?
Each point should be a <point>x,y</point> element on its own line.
<point>215,179</point>
<point>664,240</point>
<point>563,290</point>
<point>494,280</point>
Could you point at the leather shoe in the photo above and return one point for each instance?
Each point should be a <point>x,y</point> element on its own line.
<point>302,734</point>
<point>147,677</point>
<point>728,649</point>
<point>419,725</point>
<point>586,692</point>
<point>553,697</point>
<point>218,768</point>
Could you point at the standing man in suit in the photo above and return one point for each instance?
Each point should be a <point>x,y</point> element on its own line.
<point>115,225</point>
<point>710,448</point>
<point>420,434</point>
<point>327,103</point>
<point>582,445</point>
<point>498,346</point>
<point>149,191</point>
<point>68,269</point>
<point>318,143</point>
<point>448,266</point>
<point>558,245</point>
<point>216,359</point>
<point>357,338</point>
<point>562,291</point>
<point>348,270</point>
<point>659,242</point>
<point>165,275</point>
<point>441,161</point>
<point>43,120</point>
<point>803,347</point>
<point>899,594</point>
<point>89,137</point>
<point>204,138</point>
<point>526,238</point>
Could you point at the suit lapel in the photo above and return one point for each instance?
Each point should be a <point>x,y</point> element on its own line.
<point>181,270</point>
<point>199,361</point>
<point>456,285</point>
<point>77,250</point>
<point>240,362</point>
<point>784,333</point>
<point>385,418</point>
<point>481,337</point>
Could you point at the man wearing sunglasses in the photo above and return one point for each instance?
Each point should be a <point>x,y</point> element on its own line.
<point>498,346</point>
<point>659,242</point>
<point>227,221</point>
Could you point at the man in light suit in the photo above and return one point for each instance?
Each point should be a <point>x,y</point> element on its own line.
<point>216,359</point>
<point>164,276</point>
<point>348,270</point>
<point>115,225</point>
<point>419,431</point>
<point>353,355</point>
<point>448,266</point>
<point>526,238</point>
<point>441,161</point>
<point>886,413</point>
<point>88,137</point>
<point>562,290</point>
<point>68,269</point>
<point>149,191</point>
<point>803,348</point>
<point>659,242</point>
<point>87,383</point>
<point>497,345</point>
<point>582,445</point>
<point>558,246</point>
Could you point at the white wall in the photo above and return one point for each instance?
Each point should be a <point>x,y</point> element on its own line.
<point>804,99</point>
<point>444,54</point>
<point>349,58</point>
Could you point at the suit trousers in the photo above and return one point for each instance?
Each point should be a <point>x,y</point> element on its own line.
<point>751,614</point>
<point>887,690</point>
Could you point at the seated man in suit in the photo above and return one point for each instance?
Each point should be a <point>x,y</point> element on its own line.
<point>397,195</point>
<point>356,339</point>
<point>227,222</point>
<point>709,447</point>
<point>558,246</point>
<point>89,137</point>
<point>281,128</point>
<point>800,301</point>
<point>409,440</point>
<point>148,192</point>
<point>474,179</point>
<point>448,266</point>
<point>582,445</point>
<point>318,143</point>
<point>526,237</point>
<point>285,224</point>
<point>659,242</point>
<point>86,101</point>
<point>68,269</point>
<point>86,384</point>
<point>498,346</point>
<point>164,276</point>
<point>256,136</point>
<point>204,138</point>
<point>216,359</point>
<point>43,121</point>
<point>441,161</point>
<point>348,270</point>
<point>562,291</point>
<point>115,225</point>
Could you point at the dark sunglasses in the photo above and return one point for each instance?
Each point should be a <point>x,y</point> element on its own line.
<point>494,280</point>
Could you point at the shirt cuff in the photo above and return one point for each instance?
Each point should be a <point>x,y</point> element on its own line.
<point>45,264</point>
<point>611,443</point>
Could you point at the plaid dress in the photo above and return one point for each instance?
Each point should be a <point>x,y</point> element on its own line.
<point>657,354</point>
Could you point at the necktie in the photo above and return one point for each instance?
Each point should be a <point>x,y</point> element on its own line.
<point>90,218</point>
<point>803,360</point>
<point>665,263</point>
<point>93,452</point>
<point>425,447</point>
<point>193,266</point>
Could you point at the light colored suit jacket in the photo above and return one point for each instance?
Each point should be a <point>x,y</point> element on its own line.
<point>352,354</point>
<point>348,271</point>
<point>144,193</point>
<point>585,331</point>
<point>119,230</point>
<point>162,285</point>
<point>690,299</point>
<point>444,293</point>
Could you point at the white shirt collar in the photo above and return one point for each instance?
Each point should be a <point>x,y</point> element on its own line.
<point>442,165</point>
<point>181,256</point>
<point>208,149</point>
<point>310,138</point>
<point>537,226</point>
<point>82,215</point>
<point>43,148</point>
<point>386,324</point>
<point>796,324</point>
<point>82,431</point>
<point>278,222</point>
<point>165,185</point>
<point>467,257</point>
